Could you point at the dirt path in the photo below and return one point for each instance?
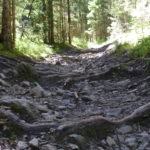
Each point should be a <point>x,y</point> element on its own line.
<point>77,86</point>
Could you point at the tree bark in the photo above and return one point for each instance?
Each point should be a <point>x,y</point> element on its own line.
<point>6,25</point>
<point>45,38</point>
<point>13,22</point>
<point>50,22</point>
<point>69,22</point>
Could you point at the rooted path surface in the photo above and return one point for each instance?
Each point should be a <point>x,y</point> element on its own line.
<point>75,86</point>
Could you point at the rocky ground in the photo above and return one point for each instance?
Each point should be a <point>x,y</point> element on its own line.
<point>70,87</point>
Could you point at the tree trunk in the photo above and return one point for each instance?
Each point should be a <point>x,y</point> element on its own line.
<point>69,22</point>
<point>45,39</point>
<point>62,21</point>
<point>50,22</point>
<point>13,23</point>
<point>6,25</point>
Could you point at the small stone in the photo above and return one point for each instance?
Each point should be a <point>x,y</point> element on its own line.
<point>2,76</point>
<point>123,83</point>
<point>110,141</point>
<point>4,83</point>
<point>100,148</point>
<point>73,146</point>
<point>48,147</point>
<point>21,145</point>
<point>34,143</point>
<point>62,107</point>
<point>125,129</point>
<point>77,139</point>
<point>25,84</point>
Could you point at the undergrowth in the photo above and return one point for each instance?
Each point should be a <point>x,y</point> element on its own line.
<point>80,43</point>
<point>28,49</point>
<point>140,49</point>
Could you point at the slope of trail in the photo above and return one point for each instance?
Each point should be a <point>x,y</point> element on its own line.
<point>75,86</point>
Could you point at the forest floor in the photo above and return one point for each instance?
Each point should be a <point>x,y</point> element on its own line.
<point>72,87</point>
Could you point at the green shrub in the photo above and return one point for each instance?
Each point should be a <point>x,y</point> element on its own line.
<point>123,47</point>
<point>142,49</point>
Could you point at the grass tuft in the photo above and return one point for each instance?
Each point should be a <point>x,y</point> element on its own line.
<point>28,49</point>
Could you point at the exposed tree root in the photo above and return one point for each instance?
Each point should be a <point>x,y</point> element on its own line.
<point>25,126</point>
<point>118,69</point>
<point>99,124</point>
<point>83,76</point>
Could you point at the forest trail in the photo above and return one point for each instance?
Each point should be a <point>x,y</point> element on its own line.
<point>75,86</point>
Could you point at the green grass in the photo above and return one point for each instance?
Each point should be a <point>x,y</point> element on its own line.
<point>28,49</point>
<point>33,49</point>
<point>123,47</point>
<point>140,50</point>
<point>79,43</point>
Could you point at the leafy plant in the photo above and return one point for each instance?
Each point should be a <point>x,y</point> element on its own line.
<point>142,49</point>
<point>1,47</point>
<point>123,47</point>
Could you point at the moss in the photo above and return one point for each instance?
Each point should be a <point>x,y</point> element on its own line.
<point>13,131</point>
<point>25,115</point>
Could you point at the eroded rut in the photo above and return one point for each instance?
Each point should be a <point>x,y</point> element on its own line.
<point>72,87</point>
